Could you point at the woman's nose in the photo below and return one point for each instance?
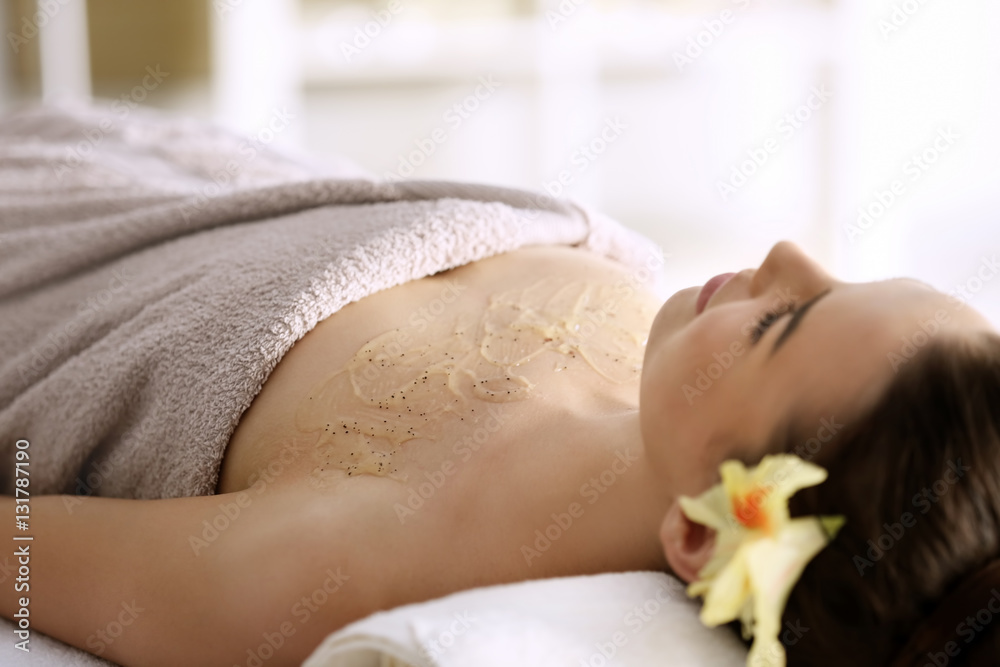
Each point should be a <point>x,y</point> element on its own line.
<point>787,267</point>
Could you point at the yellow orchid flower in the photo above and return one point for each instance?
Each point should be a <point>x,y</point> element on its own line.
<point>760,552</point>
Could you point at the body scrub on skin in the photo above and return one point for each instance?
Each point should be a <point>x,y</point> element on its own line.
<point>407,384</point>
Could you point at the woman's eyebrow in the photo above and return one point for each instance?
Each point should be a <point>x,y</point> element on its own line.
<point>795,319</point>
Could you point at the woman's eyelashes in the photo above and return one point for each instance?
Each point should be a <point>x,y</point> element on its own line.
<point>768,319</point>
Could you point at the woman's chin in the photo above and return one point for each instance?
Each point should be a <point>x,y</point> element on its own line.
<point>675,312</point>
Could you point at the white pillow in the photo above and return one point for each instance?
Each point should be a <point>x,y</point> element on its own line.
<point>631,618</point>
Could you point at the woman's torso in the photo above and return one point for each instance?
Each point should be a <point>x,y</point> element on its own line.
<point>463,412</point>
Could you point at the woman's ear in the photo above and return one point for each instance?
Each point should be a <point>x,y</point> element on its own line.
<point>687,545</point>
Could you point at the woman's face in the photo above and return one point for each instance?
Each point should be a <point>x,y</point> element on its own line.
<point>779,341</point>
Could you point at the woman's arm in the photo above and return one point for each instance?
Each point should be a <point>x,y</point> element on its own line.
<point>193,581</point>
<point>113,577</point>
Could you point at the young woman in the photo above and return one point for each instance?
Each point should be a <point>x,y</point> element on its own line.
<point>387,460</point>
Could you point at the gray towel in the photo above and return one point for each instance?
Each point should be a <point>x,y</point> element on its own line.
<point>153,271</point>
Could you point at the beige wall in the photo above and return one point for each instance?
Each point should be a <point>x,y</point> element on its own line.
<point>125,37</point>
<point>23,62</point>
<point>128,35</point>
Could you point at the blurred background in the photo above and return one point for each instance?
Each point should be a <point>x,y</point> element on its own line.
<point>866,131</point>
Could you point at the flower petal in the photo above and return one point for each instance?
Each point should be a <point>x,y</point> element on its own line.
<point>727,542</point>
<point>766,652</point>
<point>735,476</point>
<point>709,509</point>
<point>778,478</point>
<point>788,473</point>
<point>729,592</point>
<point>774,566</point>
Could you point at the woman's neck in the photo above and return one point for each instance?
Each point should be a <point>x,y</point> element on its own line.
<point>624,499</point>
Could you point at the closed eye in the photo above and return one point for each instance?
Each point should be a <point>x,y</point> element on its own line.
<point>769,319</point>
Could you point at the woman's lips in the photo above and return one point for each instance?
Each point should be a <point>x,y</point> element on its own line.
<point>709,289</point>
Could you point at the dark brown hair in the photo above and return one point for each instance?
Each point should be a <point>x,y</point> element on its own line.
<point>918,480</point>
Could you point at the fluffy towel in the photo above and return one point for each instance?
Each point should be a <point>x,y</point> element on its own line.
<point>45,652</point>
<point>638,619</point>
<point>154,271</point>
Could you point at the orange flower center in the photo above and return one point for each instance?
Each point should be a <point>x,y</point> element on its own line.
<point>748,508</point>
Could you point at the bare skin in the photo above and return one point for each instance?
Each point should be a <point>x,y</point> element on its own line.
<point>207,603</point>
<point>616,460</point>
